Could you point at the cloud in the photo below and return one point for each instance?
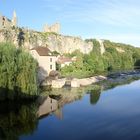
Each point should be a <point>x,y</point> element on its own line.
<point>114,12</point>
<point>121,16</point>
<point>133,39</point>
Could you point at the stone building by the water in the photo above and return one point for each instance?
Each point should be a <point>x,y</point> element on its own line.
<point>46,61</point>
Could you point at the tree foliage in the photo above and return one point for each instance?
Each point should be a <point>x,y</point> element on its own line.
<point>111,60</point>
<point>17,72</point>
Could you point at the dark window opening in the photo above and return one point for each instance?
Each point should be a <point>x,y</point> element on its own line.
<point>3,21</point>
<point>50,66</point>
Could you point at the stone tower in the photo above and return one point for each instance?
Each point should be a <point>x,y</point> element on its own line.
<point>14,19</point>
<point>46,28</point>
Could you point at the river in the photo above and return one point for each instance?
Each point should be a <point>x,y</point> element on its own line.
<point>78,114</point>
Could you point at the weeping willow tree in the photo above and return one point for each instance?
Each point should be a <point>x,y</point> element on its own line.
<point>18,75</point>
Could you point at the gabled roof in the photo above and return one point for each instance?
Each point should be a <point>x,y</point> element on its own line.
<point>42,51</point>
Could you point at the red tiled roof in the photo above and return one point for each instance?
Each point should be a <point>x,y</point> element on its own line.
<point>62,60</point>
<point>42,51</point>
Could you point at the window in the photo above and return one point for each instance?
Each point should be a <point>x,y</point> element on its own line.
<point>50,66</point>
<point>50,59</point>
<point>3,21</point>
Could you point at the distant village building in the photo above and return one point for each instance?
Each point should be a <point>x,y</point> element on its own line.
<point>46,61</point>
<point>65,61</point>
<point>7,23</point>
<point>53,28</point>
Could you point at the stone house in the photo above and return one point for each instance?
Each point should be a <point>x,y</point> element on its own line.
<point>46,61</point>
<point>65,61</point>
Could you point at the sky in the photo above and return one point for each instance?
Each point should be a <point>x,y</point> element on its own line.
<point>116,20</point>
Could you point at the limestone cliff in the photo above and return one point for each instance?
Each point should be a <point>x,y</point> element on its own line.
<point>102,47</point>
<point>55,42</point>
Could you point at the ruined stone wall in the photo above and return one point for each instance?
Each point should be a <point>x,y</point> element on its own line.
<point>7,23</point>
<point>53,28</point>
<point>4,22</point>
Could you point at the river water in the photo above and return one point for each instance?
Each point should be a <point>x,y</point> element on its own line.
<point>78,114</point>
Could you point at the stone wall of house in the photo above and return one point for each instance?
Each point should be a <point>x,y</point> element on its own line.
<point>46,65</point>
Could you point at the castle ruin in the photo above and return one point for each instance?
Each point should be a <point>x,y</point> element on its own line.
<point>7,23</point>
<point>53,28</point>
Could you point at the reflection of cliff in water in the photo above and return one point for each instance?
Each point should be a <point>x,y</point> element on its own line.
<point>16,120</point>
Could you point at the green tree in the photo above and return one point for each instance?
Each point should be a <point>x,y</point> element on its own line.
<point>18,72</point>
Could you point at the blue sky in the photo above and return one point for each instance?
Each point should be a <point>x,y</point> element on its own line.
<point>117,20</point>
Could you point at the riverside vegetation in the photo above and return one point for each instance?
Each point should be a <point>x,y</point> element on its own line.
<point>18,69</point>
<point>112,60</point>
<point>18,73</point>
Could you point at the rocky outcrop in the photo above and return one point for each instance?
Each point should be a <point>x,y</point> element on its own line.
<point>120,50</point>
<point>87,81</point>
<point>55,42</point>
<point>59,83</point>
<point>102,48</point>
<point>75,83</point>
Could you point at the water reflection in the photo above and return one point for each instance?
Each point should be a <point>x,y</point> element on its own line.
<point>54,103</point>
<point>94,96</point>
<point>17,119</point>
<point>48,106</point>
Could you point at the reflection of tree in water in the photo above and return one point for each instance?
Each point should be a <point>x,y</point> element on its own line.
<point>17,120</point>
<point>94,96</point>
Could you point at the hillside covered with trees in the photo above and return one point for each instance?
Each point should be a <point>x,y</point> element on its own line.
<point>117,56</point>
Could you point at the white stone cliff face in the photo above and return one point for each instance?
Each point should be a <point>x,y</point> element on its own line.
<point>102,48</point>
<point>55,42</point>
<point>67,44</point>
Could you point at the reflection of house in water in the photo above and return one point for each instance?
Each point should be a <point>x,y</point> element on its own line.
<point>48,106</point>
<point>53,103</point>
